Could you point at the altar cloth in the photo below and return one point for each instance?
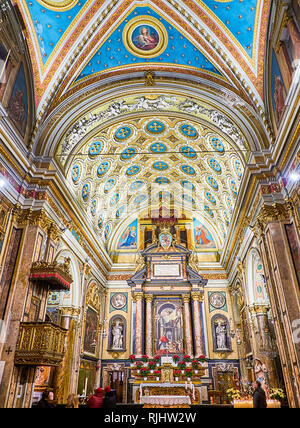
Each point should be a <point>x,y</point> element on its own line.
<point>165,400</point>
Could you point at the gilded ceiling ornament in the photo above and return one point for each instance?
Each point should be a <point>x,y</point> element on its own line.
<point>58,5</point>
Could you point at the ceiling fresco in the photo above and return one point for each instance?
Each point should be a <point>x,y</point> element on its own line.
<point>130,166</point>
<point>76,39</point>
<point>118,50</point>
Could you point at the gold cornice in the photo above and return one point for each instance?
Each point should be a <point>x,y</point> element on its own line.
<point>26,217</point>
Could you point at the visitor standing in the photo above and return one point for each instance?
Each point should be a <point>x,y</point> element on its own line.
<point>259,396</point>
<point>96,400</point>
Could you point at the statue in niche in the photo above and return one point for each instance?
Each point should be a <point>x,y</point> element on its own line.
<point>117,333</point>
<point>221,336</point>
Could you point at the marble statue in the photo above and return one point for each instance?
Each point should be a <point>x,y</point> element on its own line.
<point>221,336</point>
<point>117,336</point>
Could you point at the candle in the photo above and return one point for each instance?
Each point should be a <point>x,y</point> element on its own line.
<point>185,385</point>
<point>85,387</point>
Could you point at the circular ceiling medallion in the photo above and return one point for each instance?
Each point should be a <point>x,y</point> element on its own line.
<point>75,173</point>
<point>145,37</point>
<point>162,180</point>
<point>95,149</point>
<point>160,166</point>
<point>155,127</point>
<point>158,147</point>
<point>187,169</point>
<point>128,153</point>
<point>187,185</point>
<point>188,152</point>
<point>102,168</point>
<point>132,170</point>
<point>123,133</point>
<point>58,5</point>
<point>188,131</point>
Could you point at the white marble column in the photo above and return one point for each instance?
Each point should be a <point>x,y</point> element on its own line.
<point>149,298</point>
<point>138,297</point>
<point>197,297</point>
<point>187,325</point>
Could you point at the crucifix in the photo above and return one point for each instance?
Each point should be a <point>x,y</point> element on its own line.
<point>9,350</point>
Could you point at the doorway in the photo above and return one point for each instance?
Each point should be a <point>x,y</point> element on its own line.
<point>116,381</point>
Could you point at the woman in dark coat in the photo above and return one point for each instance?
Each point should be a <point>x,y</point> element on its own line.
<point>47,401</point>
<point>110,399</point>
<point>259,397</point>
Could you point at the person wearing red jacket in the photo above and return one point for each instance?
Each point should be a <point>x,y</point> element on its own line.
<point>96,400</point>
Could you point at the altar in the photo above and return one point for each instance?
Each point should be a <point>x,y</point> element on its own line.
<point>167,394</point>
<point>170,401</point>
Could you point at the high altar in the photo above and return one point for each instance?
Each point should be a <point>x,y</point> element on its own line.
<point>169,319</point>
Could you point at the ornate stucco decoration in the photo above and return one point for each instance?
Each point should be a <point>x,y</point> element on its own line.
<point>161,103</point>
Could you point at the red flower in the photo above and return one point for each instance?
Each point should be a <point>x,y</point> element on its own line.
<point>157,357</point>
<point>175,357</point>
<point>157,372</point>
<point>177,372</point>
<point>187,358</point>
<point>132,357</point>
<point>182,364</point>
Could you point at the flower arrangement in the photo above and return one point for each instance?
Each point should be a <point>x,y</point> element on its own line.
<point>188,372</point>
<point>157,372</point>
<point>132,358</point>
<point>151,365</point>
<point>144,371</point>
<point>182,365</point>
<point>187,358</point>
<point>176,358</point>
<point>202,358</point>
<point>233,394</point>
<point>145,358</point>
<point>176,373</point>
<point>156,358</point>
<point>195,364</point>
<point>139,365</point>
<point>277,394</point>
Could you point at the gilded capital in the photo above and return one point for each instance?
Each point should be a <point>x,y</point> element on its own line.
<point>197,296</point>
<point>185,298</point>
<point>149,298</point>
<point>259,309</point>
<point>137,295</point>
